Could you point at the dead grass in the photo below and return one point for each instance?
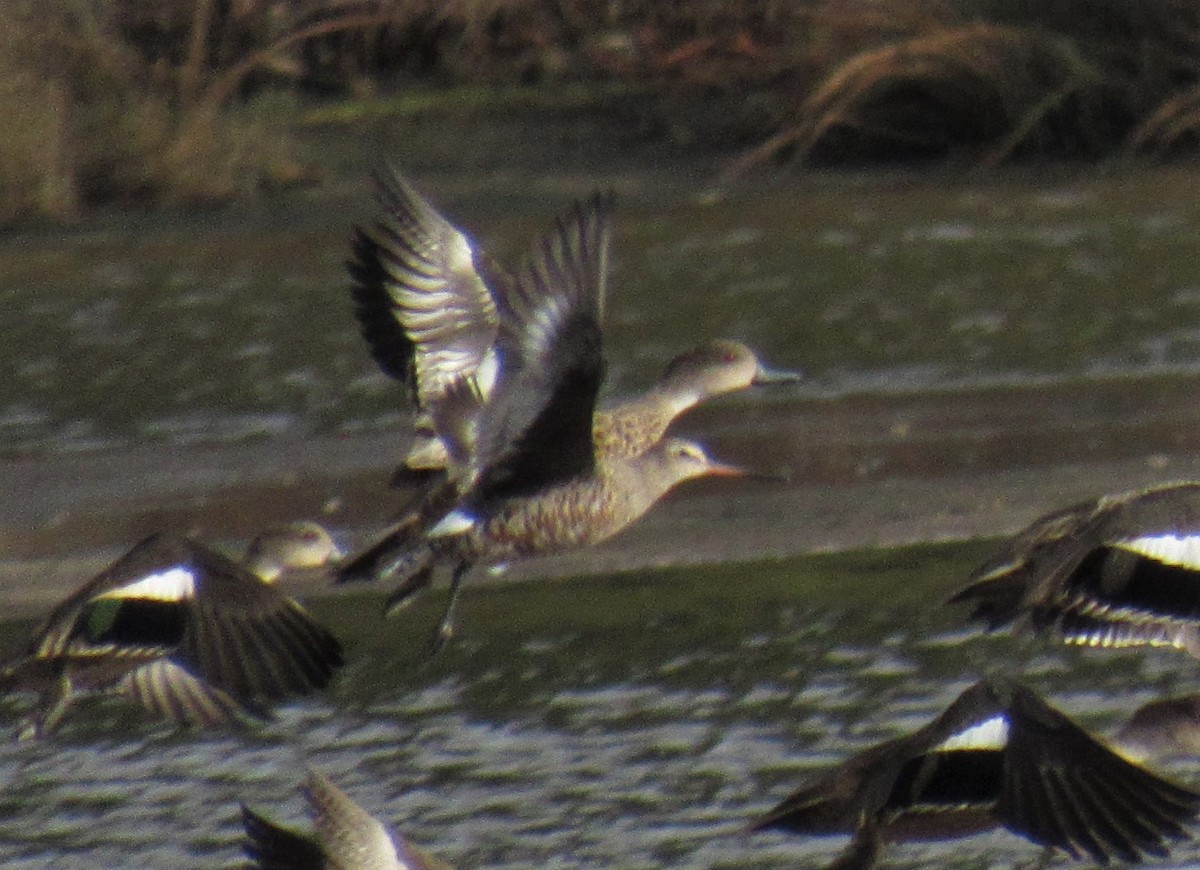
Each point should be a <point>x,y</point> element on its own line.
<point>1173,129</point>
<point>93,121</point>
<point>993,80</point>
<point>996,90</point>
<point>180,102</point>
<point>176,102</point>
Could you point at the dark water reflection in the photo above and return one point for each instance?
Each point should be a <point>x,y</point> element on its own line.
<point>631,721</point>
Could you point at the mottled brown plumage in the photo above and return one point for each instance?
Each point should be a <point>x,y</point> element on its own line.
<point>417,279</point>
<point>532,479</point>
<point>583,511</point>
<point>426,298</point>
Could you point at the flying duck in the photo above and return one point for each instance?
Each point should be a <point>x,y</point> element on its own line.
<point>533,479</point>
<point>427,300</point>
<point>189,634</point>
<point>1121,570</point>
<point>998,756</point>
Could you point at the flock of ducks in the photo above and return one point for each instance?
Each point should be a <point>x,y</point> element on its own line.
<point>514,459</point>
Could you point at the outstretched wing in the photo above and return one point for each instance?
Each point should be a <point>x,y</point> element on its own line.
<point>1119,570</point>
<point>249,639</point>
<point>169,691</point>
<point>391,348</point>
<point>430,278</point>
<point>536,428</point>
<point>1064,788</point>
<point>351,836</point>
<point>137,604</point>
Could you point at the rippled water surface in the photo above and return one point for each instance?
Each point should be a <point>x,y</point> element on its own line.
<point>635,721</point>
<point>217,327</point>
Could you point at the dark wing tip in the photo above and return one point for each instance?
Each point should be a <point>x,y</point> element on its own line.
<point>804,811</point>
<point>1064,788</point>
<point>264,652</point>
<point>274,847</point>
<point>995,600</point>
<point>389,344</point>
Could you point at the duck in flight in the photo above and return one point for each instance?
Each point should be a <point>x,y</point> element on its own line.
<point>532,479</point>
<point>347,837</point>
<point>1121,570</point>
<point>427,300</point>
<point>189,634</point>
<point>999,756</point>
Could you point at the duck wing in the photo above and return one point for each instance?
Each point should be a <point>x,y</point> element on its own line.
<point>998,589</point>
<point>172,598</point>
<point>423,293</point>
<point>1123,569</point>
<point>169,691</point>
<point>536,428</point>
<point>273,847</point>
<point>249,639</point>
<point>350,836</point>
<point>997,755</point>
<point>391,348</point>
<point>135,607</point>
<point>1137,558</point>
<point>1064,788</point>
<point>938,773</point>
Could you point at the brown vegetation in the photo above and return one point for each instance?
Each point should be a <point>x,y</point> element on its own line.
<point>111,100</point>
<point>991,80</point>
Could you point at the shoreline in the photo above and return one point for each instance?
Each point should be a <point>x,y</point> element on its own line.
<point>864,472</point>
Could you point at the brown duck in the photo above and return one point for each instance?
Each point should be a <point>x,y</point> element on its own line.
<point>426,299</point>
<point>532,478</point>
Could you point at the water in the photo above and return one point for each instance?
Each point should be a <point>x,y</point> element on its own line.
<point>631,721</point>
<point>635,720</point>
<point>213,329</point>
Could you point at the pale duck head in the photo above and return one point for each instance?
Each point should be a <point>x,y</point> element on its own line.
<point>298,545</point>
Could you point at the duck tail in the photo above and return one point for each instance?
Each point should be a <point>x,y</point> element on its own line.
<point>387,555</point>
<point>995,599</point>
<point>414,570</point>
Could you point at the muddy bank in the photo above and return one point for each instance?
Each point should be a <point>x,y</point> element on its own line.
<point>863,471</point>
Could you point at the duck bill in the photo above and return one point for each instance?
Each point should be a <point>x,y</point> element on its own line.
<point>724,469</point>
<point>337,555</point>
<point>767,376</point>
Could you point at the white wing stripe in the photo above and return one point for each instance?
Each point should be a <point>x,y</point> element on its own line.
<point>174,584</point>
<point>454,523</point>
<point>1169,548</point>
<point>988,734</point>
